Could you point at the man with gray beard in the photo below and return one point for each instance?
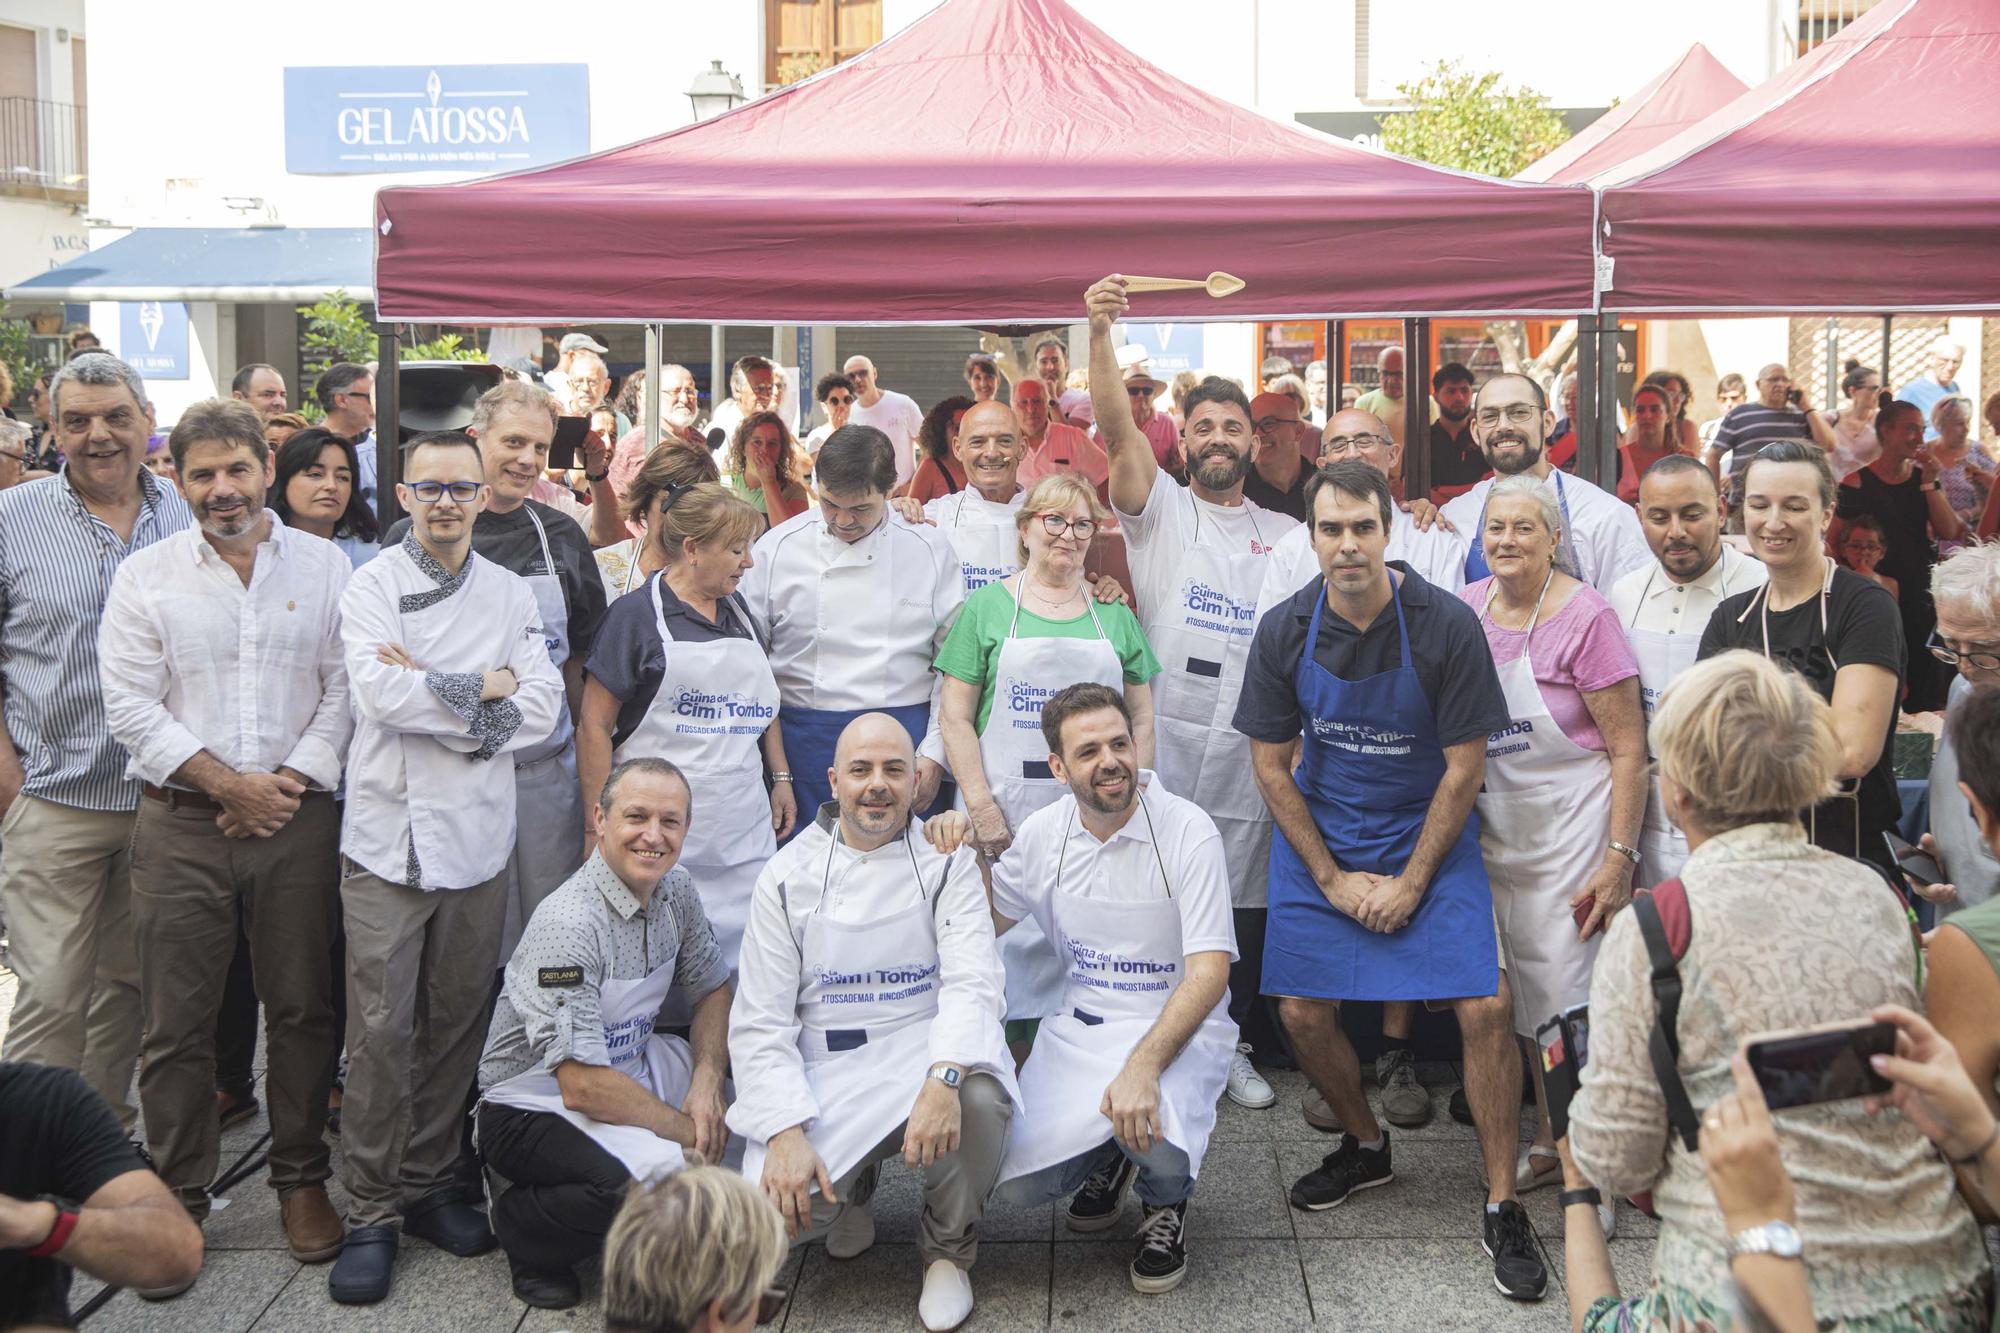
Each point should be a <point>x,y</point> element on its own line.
<point>1198,557</point>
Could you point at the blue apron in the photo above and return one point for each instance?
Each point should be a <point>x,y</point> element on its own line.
<point>1475,553</point>
<point>1369,766</point>
<point>811,734</point>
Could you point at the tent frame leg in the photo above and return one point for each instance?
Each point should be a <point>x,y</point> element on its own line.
<point>1416,409</point>
<point>651,410</point>
<point>388,412</point>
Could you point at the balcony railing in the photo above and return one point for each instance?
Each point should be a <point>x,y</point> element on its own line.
<point>43,145</point>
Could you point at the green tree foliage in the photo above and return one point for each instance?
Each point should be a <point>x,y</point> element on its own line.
<point>336,330</point>
<point>17,353</point>
<point>1466,120</point>
<point>444,347</point>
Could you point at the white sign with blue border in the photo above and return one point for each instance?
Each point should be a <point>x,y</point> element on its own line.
<point>153,338</point>
<point>344,120</point>
<point>1170,348</point>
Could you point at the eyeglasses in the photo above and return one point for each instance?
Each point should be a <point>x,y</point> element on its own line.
<point>1269,424</point>
<point>1981,661</point>
<point>1056,526</point>
<point>1138,391</point>
<point>9,453</point>
<point>832,401</point>
<point>1866,548</point>
<point>1514,414</point>
<point>430,492</point>
<point>1342,445</point>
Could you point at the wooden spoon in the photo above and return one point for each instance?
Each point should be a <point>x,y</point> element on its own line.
<point>1216,284</point>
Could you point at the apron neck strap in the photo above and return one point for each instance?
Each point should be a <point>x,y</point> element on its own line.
<point>1076,819</point>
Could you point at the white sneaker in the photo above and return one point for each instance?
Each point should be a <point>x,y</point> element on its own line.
<point>947,1298</point>
<point>852,1232</point>
<point>1246,1086</point>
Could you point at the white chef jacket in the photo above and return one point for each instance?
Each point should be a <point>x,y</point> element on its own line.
<point>1608,539</point>
<point>1178,849</point>
<point>192,660</point>
<point>1437,556</point>
<point>968,512</point>
<point>771,1090</point>
<point>1173,520</point>
<point>852,624</point>
<point>1647,599</point>
<point>424,793</point>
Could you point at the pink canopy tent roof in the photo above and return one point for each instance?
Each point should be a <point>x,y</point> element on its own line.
<point>1865,178</point>
<point>1685,92</point>
<point>984,165</point>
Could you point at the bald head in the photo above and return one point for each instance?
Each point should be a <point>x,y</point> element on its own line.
<point>873,779</point>
<point>1353,433</point>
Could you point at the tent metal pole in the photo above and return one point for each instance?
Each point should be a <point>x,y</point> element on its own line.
<point>1888,332</point>
<point>388,411</point>
<point>1336,363</point>
<point>718,374</point>
<point>652,395</point>
<point>1416,409</point>
<point>1585,424</point>
<point>1832,361</point>
<point>1607,400</point>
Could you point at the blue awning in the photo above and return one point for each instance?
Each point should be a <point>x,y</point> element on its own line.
<point>214,264</point>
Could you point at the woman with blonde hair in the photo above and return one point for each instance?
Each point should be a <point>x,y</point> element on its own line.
<point>768,468</point>
<point>626,565</point>
<point>677,673</point>
<point>1016,642</point>
<point>1784,935</point>
<point>695,1253</point>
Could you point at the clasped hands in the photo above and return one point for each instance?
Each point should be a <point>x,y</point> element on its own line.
<point>1381,903</point>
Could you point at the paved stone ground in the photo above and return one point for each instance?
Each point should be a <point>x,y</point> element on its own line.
<point>1404,1256</point>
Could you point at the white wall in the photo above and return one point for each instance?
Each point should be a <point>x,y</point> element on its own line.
<point>36,236</point>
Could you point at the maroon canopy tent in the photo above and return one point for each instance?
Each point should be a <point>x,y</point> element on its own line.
<point>1686,92</point>
<point>1865,178</point>
<point>982,166</point>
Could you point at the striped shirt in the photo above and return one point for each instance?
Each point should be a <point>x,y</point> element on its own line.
<point>56,563</point>
<point>1747,428</point>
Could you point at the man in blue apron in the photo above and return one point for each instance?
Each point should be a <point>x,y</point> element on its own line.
<point>514,424</point>
<point>1377,889</point>
<point>1131,882</point>
<point>852,603</point>
<point>580,1095</point>
<point>1198,555</point>
<point>867,1021</point>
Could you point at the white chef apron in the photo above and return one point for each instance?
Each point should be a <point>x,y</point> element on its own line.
<point>868,992</point>
<point>1026,674</point>
<point>1202,638</point>
<point>715,702</point>
<point>988,546</point>
<point>1663,848</point>
<point>1123,959</point>
<point>1545,817</point>
<point>554,608</point>
<point>661,1064</point>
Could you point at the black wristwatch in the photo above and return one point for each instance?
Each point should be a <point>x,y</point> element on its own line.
<point>594,477</point>
<point>1588,1194</point>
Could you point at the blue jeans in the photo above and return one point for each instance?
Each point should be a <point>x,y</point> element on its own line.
<point>1165,1178</point>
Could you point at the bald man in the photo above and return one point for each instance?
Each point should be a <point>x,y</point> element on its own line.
<point>1779,411</point>
<point>1939,381</point>
<point>896,415</point>
<point>1049,446</point>
<point>1386,400</point>
<point>867,1020</point>
<point>979,519</point>
<point>1286,447</point>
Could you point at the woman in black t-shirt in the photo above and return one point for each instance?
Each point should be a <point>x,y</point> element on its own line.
<point>1842,632</point>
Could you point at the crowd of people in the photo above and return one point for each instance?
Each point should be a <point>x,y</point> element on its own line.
<point>971,846</point>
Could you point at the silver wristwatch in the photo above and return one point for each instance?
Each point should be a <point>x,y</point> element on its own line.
<point>1775,1238</point>
<point>949,1075</point>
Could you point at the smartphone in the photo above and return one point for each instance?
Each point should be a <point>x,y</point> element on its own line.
<point>569,434</point>
<point>1820,1064</point>
<point>1576,1020</point>
<point>1915,863</point>
<point>1563,1045</point>
<point>1581,913</point>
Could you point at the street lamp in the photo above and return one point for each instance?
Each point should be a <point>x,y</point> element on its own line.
<point>715,91</point>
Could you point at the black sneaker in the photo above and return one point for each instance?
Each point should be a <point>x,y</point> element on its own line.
<point>1162,1259</point>
<point>1097,1204</point>
<point>1348,1168</point>
<point>1459,1107</point>
<point>1518,1271</point>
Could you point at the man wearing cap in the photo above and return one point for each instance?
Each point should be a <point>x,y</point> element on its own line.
<point>1277,479</point>
<point>557,380</point>
<point>1048,446</point>
<point>1141,389</point>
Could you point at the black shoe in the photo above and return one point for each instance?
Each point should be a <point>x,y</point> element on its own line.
<point>1518,1270</point>
<point>235,1106</point>
<point>447,1219</point>
<point>1097,1204</point>
<point>546,1288</point>
<point>1348,1168</point>
<point>361,1274</point>
<point>1459,1107</point>
<point>1162,1259</point>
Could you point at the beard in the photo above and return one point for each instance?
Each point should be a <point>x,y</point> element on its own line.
<point>1104,805</point>
<point>232,525</point>
<point>679,416</point>
<point>1218,472</point>
<point>1525,462</point>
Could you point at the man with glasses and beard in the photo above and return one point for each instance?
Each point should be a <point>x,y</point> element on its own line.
<point>1198,557</point>
<point>1601,538</point>
<point>680,406</point>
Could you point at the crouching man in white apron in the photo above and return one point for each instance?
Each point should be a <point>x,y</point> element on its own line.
<point>580,1095</point>
<point>867,1022</point>
<point>1131,883</point>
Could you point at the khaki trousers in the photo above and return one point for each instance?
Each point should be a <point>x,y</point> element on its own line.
<point>189,883</point>
<point>65,890</point>
<point>419,972</point>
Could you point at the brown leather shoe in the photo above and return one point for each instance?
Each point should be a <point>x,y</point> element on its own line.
<point>312,1228</point>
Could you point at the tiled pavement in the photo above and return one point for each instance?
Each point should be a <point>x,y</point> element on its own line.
<point>1404,1256</point>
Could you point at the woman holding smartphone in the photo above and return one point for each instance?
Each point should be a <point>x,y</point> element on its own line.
<point>1785,935</point>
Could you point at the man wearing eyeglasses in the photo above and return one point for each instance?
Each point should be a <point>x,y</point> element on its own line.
<point>1511,422</point>
<point>896,415</point>
<point>13,452</point>
<point>1141,391</point>
<point>346,393</point>
<point>1277,478</point>
<point>450,676</point>
<point>1966,588</point>
<point>753,387</point>
<point>1781,412</point>
<point>680,407</point>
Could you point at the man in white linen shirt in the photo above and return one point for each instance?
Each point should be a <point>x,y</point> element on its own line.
<point>867,1022</point>
<point>1665,604</point>
<point>896,415</point>
<point>220,659</point>
<point>450,674</point>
